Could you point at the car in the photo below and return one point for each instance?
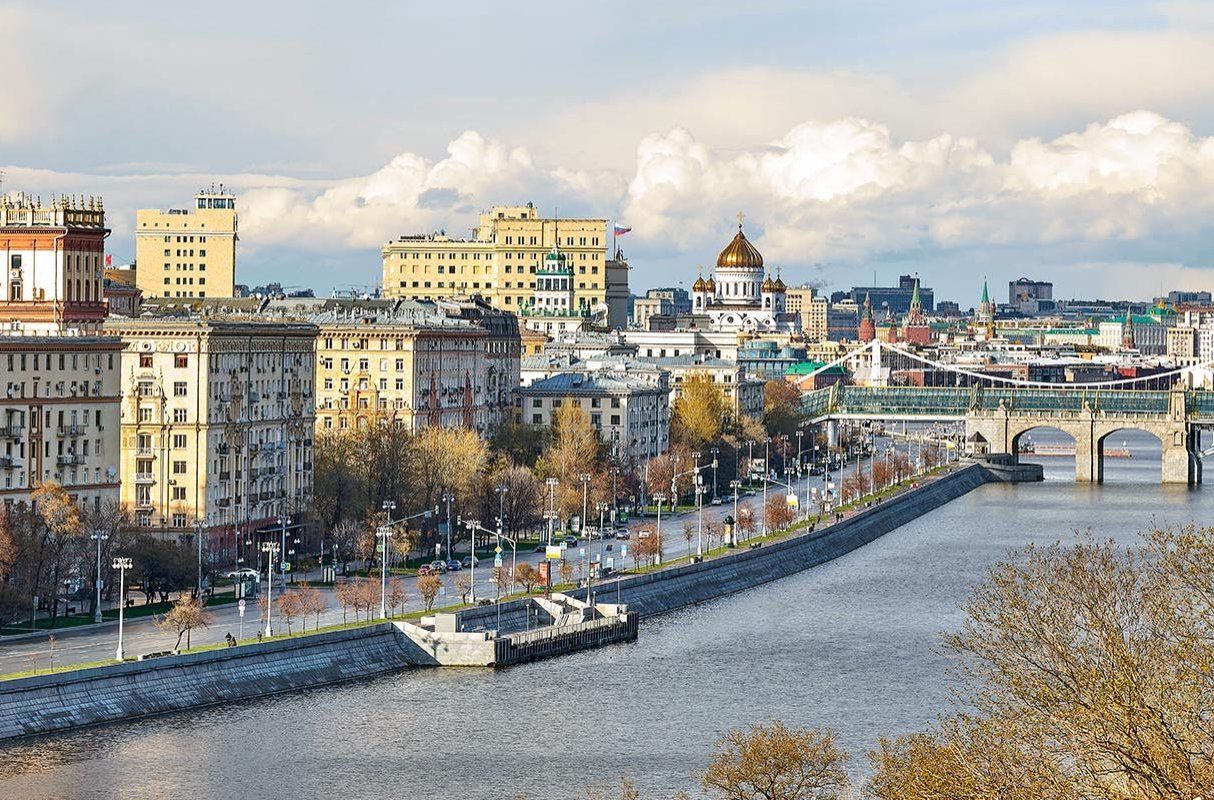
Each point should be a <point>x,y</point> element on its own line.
<point>454,565</point>
<point>468,561</point>
<point>438,566</point>
<point>716,501</point>
<point>570,541</point>
<point>623,534</point>
<point>244,574</point>
<point>424,569</point>
<point>750,493</point>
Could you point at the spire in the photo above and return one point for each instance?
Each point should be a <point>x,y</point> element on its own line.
<point>986,296</point>
<point>868,305</point>
<point>915,302</point>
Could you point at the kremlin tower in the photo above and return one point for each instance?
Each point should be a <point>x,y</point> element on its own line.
<point>868,329</point>
<point>917,331</point>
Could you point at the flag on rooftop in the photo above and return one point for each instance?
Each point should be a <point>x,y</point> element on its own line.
<point>620,230</point>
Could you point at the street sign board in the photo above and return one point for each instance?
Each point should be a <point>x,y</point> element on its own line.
<point>498,549</point>
<point>240,607</point>
<point>286,566</point>
<point>497,560</point>
<point>624,551</point>
<point>553,552</point>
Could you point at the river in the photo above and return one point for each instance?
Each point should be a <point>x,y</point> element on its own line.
<point>849,644</point>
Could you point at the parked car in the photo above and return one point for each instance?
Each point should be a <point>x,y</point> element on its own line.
<point>716,501</point>
<point>622,534</point>
<point>454,565</point>
<point>244,574</point>
<point>438,566</point>
<point>424,569</point>
<point>570,541</point>
<point>470,560</point>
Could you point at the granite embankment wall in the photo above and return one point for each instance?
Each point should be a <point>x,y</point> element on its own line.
<point>73,699</point>
<point>676,587</point>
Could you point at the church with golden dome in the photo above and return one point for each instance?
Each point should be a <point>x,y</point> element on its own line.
<point>740,296</point>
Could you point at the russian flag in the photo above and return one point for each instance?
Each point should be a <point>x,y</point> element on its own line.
<point>620,230</point>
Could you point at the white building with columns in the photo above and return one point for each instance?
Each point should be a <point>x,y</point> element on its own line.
<point>740,296</point>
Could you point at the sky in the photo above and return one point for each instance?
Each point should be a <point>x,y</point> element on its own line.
<point>1071,142</point>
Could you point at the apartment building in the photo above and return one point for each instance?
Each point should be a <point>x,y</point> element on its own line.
<point>217,425</point>
<point>51,281</point>
<point>59,417</point>
<point>502,260</point>
<point>812,307</point>
<point>188,253</point>
<point>406,363</point>
<point>632,416</point>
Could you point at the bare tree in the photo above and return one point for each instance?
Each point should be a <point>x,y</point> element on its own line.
<point>186,614</point>
<point>427,587</point>
<point>398,595</point>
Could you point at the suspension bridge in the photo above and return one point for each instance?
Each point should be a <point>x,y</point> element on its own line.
<point>997,410</point>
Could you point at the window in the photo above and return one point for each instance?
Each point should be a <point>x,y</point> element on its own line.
<point>179,415</point>
<point>178,441</point>
<point>537,419</point>
<point>179,389</point>
<point>181,361</point>
<point>145,360</point>
<point>178,467</point>
<point>179,520</point>
<point>178,492</point>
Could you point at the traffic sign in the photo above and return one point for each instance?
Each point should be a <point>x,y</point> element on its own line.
<point>498,549</point>
<point>286,566</point>
<point>553,552</point>
<point>624,551</point>
<point>240,607</point>
<point>497,560</point>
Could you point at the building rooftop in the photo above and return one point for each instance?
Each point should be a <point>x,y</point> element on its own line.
<point>581,383</point>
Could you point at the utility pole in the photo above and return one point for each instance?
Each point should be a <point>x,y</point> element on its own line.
<point>386,535</point>
<point>122,565</point>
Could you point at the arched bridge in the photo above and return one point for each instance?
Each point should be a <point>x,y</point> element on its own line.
<point>996,416</point>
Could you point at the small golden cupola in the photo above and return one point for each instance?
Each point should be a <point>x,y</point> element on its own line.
<point>768,285</point>
<point>710,286</point>
<point>699,285</point>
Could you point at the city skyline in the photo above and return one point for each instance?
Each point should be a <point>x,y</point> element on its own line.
<point>1069,144</point>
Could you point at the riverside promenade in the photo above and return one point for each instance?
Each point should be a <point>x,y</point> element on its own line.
<point>63,700</point>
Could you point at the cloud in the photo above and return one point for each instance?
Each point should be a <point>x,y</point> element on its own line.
<point>847,191</point>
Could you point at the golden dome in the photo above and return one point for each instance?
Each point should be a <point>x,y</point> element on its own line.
<point>710,285</point>
<point>779,285</point>
<point>740,254</point>
<point>699,285</point>
<point>769,285</point>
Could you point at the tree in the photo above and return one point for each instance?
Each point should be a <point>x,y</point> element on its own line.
<point>781,408</point>
<point>161,567</point>
<point>463,585</point>
<point>523,501</point>
<point>699,411</point>
<point>427,587</point>
<point>573,451</point>
<point>313,602</point>
<point>777,513</point>
<point>774,762</point>
<point>445,459</point>
<point>344,538</point>
<point>689,533</point>
<point>339,488</point>
<point>566,570</point>
<point>663,469</point>
<point>344,592</point>
<point>290,606</point>
<point>186,614</point>
<point>366,595</point>
<point>1082,672</point>
<point>398,595</point>
<point>746,520</point>
<point>61,517</point>
<point>527,575</point>
<point>502,579</point>
<point>644,547</point>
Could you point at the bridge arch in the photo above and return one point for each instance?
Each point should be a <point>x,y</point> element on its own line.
<point>1021,441</point>
<point>1110,440</point>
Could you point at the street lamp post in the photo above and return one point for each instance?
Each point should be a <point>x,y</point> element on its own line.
<point>270,549</point>
<point>715,451</point>
<point>198,522</point>
<point>733,531</point>
<point>447,498</point>
<point>700,490</point>
<point>658,498</point>
<point>386,534</point>
<point>99,537</point>
<point>766,475</point>
<point>121,564</point>
<point>585,500</point>
<point>552,484</point>
<point>283,521</point>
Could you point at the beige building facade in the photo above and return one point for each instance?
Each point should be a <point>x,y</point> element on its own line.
<point>59,417</point>
<point>188,253</point>
<point>501,259</point>
<point>217,426</point>
<point>412,368</point>
<point>812,307</point>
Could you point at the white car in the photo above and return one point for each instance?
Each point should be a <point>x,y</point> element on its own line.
<point>244,574</point>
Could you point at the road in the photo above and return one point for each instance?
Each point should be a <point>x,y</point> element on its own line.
<point>91,643</point>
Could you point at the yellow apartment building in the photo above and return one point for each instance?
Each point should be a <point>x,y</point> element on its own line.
<point>217,422</point>
<point>189,253</point>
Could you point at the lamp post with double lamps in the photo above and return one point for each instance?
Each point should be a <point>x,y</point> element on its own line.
<point>270,549</point>
<point>385,535</point>
<point>98,536</point>
<point>122,564</point>
<point>658,497</point>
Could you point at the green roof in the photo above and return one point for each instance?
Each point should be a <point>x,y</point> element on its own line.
<point>806,367</point>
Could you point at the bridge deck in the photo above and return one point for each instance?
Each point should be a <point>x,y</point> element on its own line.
<point>943,403</point>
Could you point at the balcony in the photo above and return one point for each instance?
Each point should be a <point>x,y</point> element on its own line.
<point>148,452</point>
<point>9,462</point>
<point>69,460</point>
<point>144,503</point>
<point>225,476</point>
<point>71,430</point>
<point>223,502</point>
<point>13,431</point>
<point>144,478</point>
